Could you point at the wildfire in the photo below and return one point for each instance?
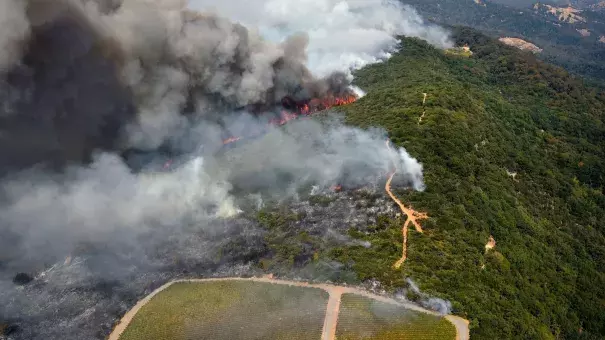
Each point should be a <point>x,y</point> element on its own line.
<point>317,104</point>
<point>336,188</point>
<point>285,117</point>
<point>302,109</point>
<point>231,140</point>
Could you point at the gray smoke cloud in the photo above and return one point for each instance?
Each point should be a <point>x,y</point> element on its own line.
<point>439,305</point>
<point>343,34</point>
<point>15,29</point>
<point>108,74</point>
<point>158,59</point>
<point>323,154</point>
<point>95,204</point>
<point>86,84</point>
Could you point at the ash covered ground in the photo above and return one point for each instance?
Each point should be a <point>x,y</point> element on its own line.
<point>202,217</point>
<point>85,294</point>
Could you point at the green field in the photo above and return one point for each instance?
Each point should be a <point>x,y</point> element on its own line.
<point>231,310</point>
<point>364,318</point>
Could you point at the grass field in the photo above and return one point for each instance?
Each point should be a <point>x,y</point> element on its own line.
<point>364,318</point>
<point>231,310</point>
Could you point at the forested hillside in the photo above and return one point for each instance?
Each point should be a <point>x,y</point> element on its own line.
<point>562,42</point>
<point>527,3</point>
<point>489,116</point>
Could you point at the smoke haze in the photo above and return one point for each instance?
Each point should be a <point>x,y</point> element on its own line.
<point>85,84</point>
<point>343,34</point>
<point>439,305</point>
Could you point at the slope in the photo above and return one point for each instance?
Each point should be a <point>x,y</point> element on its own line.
<point>498,112</point>
<point>562,42</point>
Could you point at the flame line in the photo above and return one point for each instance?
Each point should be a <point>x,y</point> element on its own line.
<point>302,111</point>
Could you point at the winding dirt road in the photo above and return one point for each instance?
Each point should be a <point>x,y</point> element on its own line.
<point>332,308</point>
<point>423,108</point>
<point>412,216</point>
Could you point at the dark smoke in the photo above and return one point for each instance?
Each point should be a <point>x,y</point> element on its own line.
<point>85,74</point>
<point>64,98</point>
<point>97,95</point>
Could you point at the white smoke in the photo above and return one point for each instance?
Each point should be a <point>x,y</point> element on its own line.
<point>106,199</point>
<point>439,305</point>
<point>409,167</point>
<point>322,153</point>
<point>343,34</point>
<point>172,54</point>
<point>97,203</point>
<point>14,29</point>
<point>168,55</point>
<point>94,66</point>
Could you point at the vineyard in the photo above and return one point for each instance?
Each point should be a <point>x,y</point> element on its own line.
<point>363,318</point>
<point>231,310</point>
<point>266,309</point>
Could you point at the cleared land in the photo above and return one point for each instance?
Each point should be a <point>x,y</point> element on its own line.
<point>266,308</point>
<point>231,310</point>
<point>364,318</point>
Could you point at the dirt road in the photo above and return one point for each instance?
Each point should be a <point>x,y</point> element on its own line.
<point>423,108</point>
<point>332,308</point>
<point>412,216</point>
<point>462,331</point>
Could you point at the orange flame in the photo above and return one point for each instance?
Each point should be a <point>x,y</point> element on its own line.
<point>231,140</point>
<point>336,188</point>
<point>313,106</point>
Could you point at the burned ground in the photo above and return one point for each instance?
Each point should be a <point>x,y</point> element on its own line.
<point>82,296</point>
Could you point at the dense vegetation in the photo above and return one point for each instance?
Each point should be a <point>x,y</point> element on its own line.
<point>498,112</point>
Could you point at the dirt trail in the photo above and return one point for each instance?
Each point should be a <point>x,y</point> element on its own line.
<point>423,108</point>
<point>491,243</point>
<point>332,308</point>
<point>412,216</point>
<point>127,318</point>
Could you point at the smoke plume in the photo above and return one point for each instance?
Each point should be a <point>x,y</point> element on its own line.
<point>15,30</point>
<point>96,93</point>
<point>439,305</point>
<point>343,35</point>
